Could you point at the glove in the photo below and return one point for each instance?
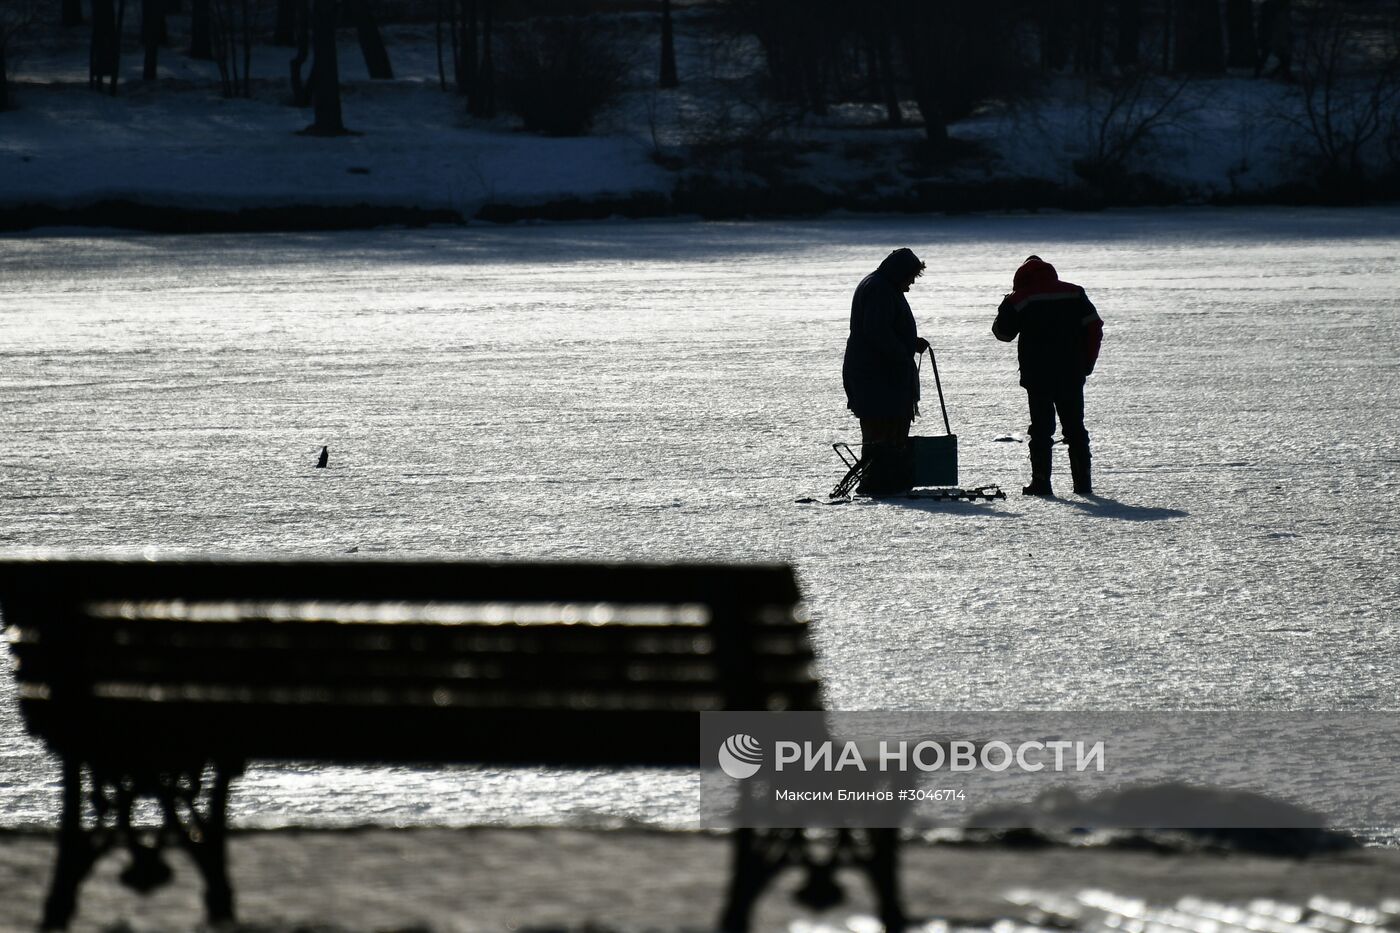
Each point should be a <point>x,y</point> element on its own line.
<point>920,345</point>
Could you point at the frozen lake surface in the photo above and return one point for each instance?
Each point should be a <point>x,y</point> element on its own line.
<point>668,390</point>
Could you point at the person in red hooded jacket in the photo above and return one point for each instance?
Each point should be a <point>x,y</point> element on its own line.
<point>1059,333</point>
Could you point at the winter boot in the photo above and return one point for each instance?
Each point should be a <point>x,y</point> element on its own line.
<point>1040,472</point>
<point>1079,460</point>
<point>877,480</point>
<point>891,469</point>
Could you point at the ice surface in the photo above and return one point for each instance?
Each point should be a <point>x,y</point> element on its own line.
<point>667,390</point>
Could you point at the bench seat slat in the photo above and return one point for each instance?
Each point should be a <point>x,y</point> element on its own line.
<point>363,636</point>
<point>375,580</point>
<point>150,735</point>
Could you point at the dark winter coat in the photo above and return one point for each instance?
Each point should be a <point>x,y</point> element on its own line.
<point>1060,330</point>
<point>879,371</point>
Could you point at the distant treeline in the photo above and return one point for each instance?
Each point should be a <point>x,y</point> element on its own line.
<point>555,64</point>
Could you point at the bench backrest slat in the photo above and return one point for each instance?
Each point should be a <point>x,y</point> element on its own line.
<point>425,660</point>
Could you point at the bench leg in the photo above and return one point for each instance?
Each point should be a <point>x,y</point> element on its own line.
<point>211,853</point>
<point>759,855</point>
<point>203,831</point>
<point>753,865</point>
<point>77,851</point>
<point>883,869</point>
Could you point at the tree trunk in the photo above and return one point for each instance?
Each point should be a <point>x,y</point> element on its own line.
<point>102,49</point>
<point>1129,33</point>
<point>669,78</point>
<point>486,75</point>
<point>1168,17</point>
<point>325,72</point>
<point>302,28</point>
<point>1054,46</point>
<point>1200,43</point>
<point>437,36</point>
<point>884,54</point>
<point>117,45</point>
<point>201,42</point>
<point>371,42</point>
<point>72,13</point>
<point>1239,27</point>
<point>468,62</point>
<point>284,31</point>
<point>152,26</point>
<point>1088,57</point>
<point>248,48</point>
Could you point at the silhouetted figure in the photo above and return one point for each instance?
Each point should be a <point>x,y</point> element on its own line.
<point>324,458</point>
<point>879,372</point>
<point>1060,332</point>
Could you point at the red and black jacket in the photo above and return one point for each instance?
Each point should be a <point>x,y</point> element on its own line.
<point>1059,329</point>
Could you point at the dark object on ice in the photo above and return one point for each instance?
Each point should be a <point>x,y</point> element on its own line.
<point>1232,820</point>
<point>1059,333</point>
<point>324,458</point>
<point>165,678</point>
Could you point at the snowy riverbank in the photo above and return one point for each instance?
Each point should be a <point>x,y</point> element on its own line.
<point>172,154</point>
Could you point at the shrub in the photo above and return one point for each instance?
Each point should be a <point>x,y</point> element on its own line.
<point>558,74</point>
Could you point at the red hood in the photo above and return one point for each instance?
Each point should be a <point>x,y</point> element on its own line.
<point>1037,277</point>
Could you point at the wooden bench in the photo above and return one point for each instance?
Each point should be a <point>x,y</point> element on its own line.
<point>163,678</point>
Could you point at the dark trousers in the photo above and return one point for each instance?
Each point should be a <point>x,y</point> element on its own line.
<point>885,445</point>
<point>1068,402</point>
<point>883,430</point>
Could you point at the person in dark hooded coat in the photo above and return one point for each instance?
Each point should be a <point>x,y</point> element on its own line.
<point>1059,333</point>
<point>879,371</point>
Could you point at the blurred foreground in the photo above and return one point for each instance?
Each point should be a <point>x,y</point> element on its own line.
<point>550,879</point>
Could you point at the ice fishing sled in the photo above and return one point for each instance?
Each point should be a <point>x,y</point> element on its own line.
<point>929,464</point>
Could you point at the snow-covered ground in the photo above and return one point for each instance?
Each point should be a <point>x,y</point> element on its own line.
<point>669,390</point>
<point>177,143</point>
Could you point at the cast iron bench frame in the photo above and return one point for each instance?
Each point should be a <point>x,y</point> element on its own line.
<point>162,678</point>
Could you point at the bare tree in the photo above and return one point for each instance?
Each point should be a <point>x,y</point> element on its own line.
<point>103,45</point>
<point>1200,44</point>
<point>484,83</point>
<point>284,30</point>
<point>301,26</point>
<point>1129,33</point>
<point>559,73</point>
<point>1124,116</point>
<point>1348,87</point>
<point>465,42</point>
<point>16,18</point>
<point>437,38</point>
<point>956,57</point>
<point>152,35</point>
<point>232,25</point>
<point>201,41</point>
<point>1239,34</point>
<point>371,42</point>
<point>669,78</point>
<point>325,72</point>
